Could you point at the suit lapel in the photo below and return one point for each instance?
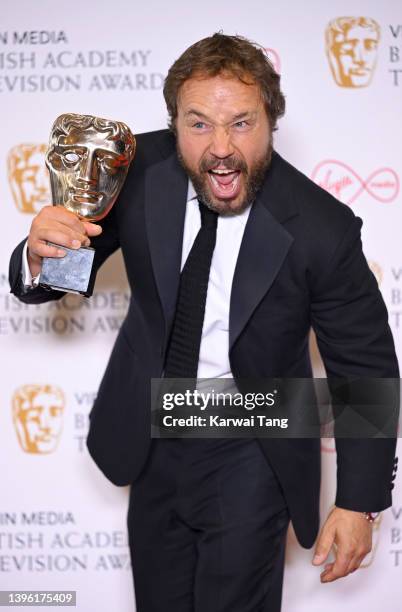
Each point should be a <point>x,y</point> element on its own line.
<point>264,247</point>
<point>165,204</point>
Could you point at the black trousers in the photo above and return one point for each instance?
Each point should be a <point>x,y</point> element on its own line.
<point>207,526</point>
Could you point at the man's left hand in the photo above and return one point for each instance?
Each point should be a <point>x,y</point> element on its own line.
<point>351,533</point>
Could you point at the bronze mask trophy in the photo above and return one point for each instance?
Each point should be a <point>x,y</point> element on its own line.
<point>88,160</point>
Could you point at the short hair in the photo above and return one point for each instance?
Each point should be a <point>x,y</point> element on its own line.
<point>234,55</point>
<point>117,130</point>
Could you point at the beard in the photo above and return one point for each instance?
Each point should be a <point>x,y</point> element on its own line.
<point>254,176</point>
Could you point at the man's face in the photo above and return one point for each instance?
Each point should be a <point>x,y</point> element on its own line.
<point>223,140</point>
<point>356,54</point>
<point>87,169</point>
<point>41,423</point>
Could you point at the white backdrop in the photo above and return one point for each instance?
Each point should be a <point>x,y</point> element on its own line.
<point>62,525</point>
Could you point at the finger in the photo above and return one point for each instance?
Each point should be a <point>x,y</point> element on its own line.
<point>74,234</point>
<point>327,567</point>
<point>60,234</point>
<point>356,562</point>
<point>37,247</point>
<point>46,250</point>
<point>48,215</point>
<point>60,215</point>
<point>339,568</point>
<point>92,229</point>
<point>323,547</point>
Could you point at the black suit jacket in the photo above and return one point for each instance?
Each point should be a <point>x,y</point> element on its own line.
<point>300,265</point>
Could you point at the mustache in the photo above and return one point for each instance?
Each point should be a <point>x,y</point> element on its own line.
<point>230,163</point>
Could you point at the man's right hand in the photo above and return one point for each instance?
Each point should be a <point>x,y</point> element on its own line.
<point>58,225</point>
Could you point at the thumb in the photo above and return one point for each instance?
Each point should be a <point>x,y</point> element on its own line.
<point>92,228</point>
<point>323,547</point>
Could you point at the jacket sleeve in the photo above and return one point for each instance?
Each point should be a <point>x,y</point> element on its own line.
<point>350,320</point>
<point>105,244</point>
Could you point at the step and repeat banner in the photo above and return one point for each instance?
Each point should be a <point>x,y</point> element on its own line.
<point>62,524</point>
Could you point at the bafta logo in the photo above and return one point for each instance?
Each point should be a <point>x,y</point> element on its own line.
<point>38,417</point>
<point>351,46</point>
<point>28,177</point>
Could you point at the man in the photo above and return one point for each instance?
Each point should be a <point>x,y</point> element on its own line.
<point>208,518</point>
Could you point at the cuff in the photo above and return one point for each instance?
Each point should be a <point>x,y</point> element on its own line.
<point>27,278</point>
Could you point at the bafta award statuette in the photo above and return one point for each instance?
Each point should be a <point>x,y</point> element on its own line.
<point>88,160</point>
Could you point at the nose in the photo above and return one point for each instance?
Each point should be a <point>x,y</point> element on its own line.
<point>359,55</point>
<point>44,420</point>
<point>88,172</point>
<point>221,145</point>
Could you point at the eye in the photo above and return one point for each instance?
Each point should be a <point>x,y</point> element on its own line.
<point>70,157</point>
<point>33,414</point>
<point>29,175</point>
<point>347,48</point>
<point>199,125</point>
<point>370,44</point>
<point>240,124</point>
<point>110,163</point>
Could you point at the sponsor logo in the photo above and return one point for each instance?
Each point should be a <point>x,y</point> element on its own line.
<point>351,46</point>
<point>28,177</point>
<point>346,185</point>
<point>38,417</point>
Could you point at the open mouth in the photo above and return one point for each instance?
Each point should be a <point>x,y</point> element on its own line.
<point>225,183</point>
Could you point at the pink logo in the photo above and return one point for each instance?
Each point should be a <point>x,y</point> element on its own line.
<point>274,59</point>
<point>346,185</point>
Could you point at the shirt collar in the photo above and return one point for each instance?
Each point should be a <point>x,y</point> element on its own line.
<point>191,194</point>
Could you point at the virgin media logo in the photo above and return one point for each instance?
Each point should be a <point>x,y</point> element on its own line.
<point>346,185</point>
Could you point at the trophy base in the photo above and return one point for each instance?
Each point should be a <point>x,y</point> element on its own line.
<point>72,273</point>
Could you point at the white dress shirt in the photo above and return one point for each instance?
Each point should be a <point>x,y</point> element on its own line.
<point>27,278</point>
<point>214,349</point>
